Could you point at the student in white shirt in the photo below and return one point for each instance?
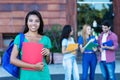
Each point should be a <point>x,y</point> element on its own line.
<point>69,58</point>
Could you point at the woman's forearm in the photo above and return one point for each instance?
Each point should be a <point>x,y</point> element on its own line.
<point>21,64</point>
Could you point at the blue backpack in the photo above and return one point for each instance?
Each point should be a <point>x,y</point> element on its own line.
<point>10,68</point>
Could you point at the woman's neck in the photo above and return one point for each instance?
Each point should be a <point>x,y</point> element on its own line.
<point>87,35</point>
<point>32,34</point>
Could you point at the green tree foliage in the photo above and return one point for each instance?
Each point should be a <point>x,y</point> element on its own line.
<point>54,33</point>
<point>86,14</point>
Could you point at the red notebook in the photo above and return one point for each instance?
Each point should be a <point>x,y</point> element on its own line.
<point>31,53</point>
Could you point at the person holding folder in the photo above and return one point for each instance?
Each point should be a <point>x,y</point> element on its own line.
<point>108,42</point>
<point>69,55</point>
<point>89,59</point>
<point>33,35</point>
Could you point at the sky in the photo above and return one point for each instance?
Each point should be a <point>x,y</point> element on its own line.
<point>98,6</point>
<point>97,0</point>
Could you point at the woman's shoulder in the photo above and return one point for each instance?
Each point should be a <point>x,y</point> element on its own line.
<point>17,36</point>
<point>45,37</point>
<point>80,37</point>
<point>92,36</point>
<point>72,38</point>
<point>64,40</point>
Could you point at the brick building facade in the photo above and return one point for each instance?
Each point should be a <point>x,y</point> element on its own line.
<point>12,14</point>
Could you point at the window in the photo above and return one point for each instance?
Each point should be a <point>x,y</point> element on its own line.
<point>7,38</point>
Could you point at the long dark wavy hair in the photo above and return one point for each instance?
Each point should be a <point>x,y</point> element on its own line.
<point>34,12</point>
<point>65,32</point>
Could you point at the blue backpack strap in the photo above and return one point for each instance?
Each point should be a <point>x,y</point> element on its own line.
<point>22,36</point>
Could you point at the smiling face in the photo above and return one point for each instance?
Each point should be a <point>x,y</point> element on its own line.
<point>88,30</point>
<point>105,28</point>
<point>33,23</point>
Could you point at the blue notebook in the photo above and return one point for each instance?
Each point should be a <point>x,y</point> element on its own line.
<point>108,43</point>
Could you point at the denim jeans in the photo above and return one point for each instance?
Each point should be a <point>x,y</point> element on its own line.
<point>108,70</point>
<point>89,60</point>
<point>70,67</point>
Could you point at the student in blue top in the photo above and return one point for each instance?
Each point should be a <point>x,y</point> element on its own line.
<point>89,59</point>
<point>69,58</point>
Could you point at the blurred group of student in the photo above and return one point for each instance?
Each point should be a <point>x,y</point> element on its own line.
<point>106,52</point>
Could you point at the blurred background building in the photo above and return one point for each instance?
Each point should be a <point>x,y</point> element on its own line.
<point>13,12</point>
<point>73,12</point>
